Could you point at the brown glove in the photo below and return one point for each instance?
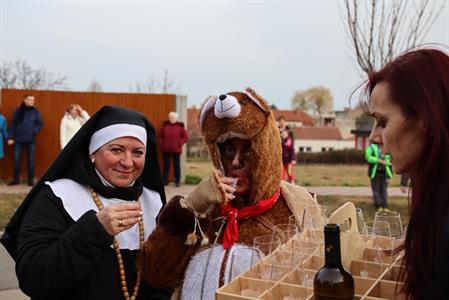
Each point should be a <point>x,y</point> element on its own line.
<point>209,192</point>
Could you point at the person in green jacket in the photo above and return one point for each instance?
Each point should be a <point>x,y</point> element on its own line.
<point>379,171</point>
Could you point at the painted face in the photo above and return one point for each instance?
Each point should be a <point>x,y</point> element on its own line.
<point>396,134</point>
<point>121,161</point>
<point>236,159</point>
<point>29,101</point>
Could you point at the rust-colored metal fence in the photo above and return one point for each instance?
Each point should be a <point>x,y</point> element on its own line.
<point>53,104</point>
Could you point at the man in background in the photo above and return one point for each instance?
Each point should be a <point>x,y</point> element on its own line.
<point>26,124</point>
<point>379,170</point>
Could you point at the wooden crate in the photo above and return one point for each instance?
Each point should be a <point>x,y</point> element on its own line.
<point>375,274</point>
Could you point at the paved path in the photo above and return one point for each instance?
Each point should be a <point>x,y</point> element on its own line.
<point>8,282</point>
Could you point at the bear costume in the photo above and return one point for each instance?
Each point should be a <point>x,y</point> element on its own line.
<point>178,253</point>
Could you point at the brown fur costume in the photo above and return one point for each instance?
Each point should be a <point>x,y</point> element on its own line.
<point>165,256</point>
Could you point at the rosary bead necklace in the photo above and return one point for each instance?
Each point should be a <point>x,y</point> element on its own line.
<point>118,255</point>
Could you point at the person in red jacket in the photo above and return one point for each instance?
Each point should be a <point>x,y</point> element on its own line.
<point>171,138</point>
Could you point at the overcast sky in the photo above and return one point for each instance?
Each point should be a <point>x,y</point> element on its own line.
<point>208,47</point>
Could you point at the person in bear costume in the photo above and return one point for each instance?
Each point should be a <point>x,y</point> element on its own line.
<point>243,140</point>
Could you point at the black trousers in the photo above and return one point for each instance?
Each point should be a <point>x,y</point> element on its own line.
<point>176,166</point>
<point>379,186</point>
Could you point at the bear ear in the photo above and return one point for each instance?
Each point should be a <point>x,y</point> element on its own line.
<point>259,100</point>
<point>208,104</point>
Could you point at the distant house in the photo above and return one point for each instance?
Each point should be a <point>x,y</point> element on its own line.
<point>361,135</point>
<point>320,139</point>
<point>195,146</point>
<point>294,118</point>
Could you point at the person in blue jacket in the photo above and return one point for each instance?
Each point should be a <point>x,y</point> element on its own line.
<point>26,124</point>
<point>3,134</point>
<point>379,171</point>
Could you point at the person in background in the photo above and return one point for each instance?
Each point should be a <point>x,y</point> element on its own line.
<point>74,117</point>
<point>282,124</point>
<point>26,124</point>
<point>409,101</point>
<point>78,232</point>
<point>288,157</point>
<point>379,171</point>
<point>3,134</point>
<point>171,138</point>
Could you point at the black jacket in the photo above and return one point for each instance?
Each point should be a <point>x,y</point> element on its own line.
<point>70,260</point>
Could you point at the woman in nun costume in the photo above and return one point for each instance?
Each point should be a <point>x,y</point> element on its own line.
<point>78,232</point>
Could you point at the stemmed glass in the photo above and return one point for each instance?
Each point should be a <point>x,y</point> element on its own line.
<point>265,245</point>
<point>287,233</point>
<point>394,219</point>
<point>377,236</point>
<point>360,220</point>
<point>313,221</point>
<point>397,231</point>
<point>304,251</point>
<point>242,259</point>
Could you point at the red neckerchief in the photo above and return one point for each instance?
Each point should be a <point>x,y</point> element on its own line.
<point>231,233</point>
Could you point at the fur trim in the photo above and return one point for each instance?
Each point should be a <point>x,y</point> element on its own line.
<point>297,198</point>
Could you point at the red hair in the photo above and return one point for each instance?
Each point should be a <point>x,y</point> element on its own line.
<point>419,83</point>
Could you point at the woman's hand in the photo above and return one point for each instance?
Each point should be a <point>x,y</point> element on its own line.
<point>119,217</point>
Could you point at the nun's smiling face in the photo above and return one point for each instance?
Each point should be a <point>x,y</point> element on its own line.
<point>120,161</point>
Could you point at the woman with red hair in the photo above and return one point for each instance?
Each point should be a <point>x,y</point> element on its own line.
<point>409,100</point>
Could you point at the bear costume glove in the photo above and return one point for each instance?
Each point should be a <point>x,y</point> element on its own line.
<point>211,191</point>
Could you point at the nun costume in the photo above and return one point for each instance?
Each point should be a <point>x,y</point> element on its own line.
<point>61,249</point>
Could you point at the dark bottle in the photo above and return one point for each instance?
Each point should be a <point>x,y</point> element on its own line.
<point>332,281</point>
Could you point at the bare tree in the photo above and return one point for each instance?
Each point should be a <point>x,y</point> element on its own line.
<point>148,87</point>
<point>94,86</point>
<point>381,29</point>
<point>20,74</point>
<point>314,100</point>
<point>165,86</point>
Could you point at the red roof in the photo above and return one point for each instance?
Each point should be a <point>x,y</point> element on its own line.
<point>317,133</point>
<point>294,116</point>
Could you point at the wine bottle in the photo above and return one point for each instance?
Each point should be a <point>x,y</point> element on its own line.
<point>332,281</point>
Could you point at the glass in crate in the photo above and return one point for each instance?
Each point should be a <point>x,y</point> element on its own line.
<point>314,217</point>
<point>393,218</point>
<point>305,251</point>
<point>283,291</point>
<point>286,255</point>
<point>242,259</point>
<point>267,269</point>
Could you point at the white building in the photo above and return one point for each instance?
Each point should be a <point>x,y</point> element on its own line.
<point>320,139</point>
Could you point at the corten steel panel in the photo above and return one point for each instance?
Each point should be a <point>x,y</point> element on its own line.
<point>53,104</point>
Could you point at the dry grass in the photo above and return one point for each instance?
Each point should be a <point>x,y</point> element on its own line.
<point>398,204</point>
<point>8,205</point>
<point>310,175</point>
